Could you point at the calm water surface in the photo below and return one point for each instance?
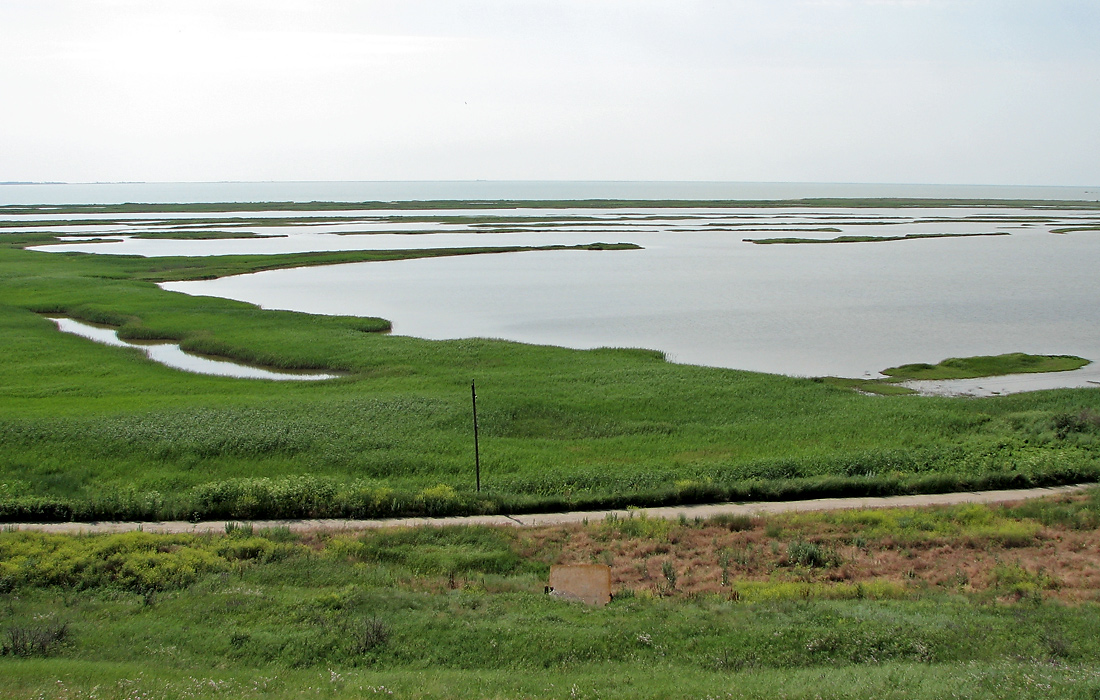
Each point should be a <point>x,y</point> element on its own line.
<point>171,355</point>
<point>697,291</point>
<point>709,298</point>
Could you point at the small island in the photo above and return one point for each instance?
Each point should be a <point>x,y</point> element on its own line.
<point>987,366</point>
<point>957,368</point>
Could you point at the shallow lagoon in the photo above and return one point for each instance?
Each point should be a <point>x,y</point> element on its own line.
<point>396,228</point>
<point>709,298</point>
<point>697,291</point>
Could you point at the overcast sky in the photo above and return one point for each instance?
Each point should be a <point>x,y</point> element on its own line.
<point>900,91</point>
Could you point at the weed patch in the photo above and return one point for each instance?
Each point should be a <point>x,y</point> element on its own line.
<point>811,554</point>
<point>37,640</point>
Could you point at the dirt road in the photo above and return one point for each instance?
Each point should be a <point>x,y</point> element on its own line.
<point>535,519</point>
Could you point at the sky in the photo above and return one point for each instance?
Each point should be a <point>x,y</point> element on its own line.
<point>1002,92</point>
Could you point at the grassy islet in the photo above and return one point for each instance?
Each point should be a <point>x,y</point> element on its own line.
<point>987,366</point>
<point>867,239</point>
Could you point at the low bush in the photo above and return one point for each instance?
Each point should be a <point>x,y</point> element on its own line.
<point>1084,421</point>
<point>136,561</point>
<point>37,640</point>
<point>812,555</point>
<point>368,634</point>
<point>1015,580</point>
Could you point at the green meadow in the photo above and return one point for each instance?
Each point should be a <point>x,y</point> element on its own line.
<point>94,432</point>
<point>460,612</point>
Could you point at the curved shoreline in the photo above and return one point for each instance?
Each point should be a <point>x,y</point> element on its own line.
<point>1087,377</point>
<point>172,355</point>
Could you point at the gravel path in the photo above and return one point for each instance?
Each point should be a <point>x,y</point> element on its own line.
<point>536,519</point>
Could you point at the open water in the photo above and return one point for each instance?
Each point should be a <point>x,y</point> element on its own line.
<point>180,192</point>
<point>696,291</point>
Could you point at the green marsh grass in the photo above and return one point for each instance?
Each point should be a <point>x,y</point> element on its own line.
<point>878,387</point>
<point>92,432</point>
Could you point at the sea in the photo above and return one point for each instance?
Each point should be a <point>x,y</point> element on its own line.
<point>472,190</point>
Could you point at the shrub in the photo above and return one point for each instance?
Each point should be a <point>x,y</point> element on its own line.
<point>33,641</point>
<point>23,509</point>
<point>669,572</point>
<point>368,634</point>
<point>1081,422</point>
<point>136,561</point>
<point>438,500</point>
<point>238,529</point>
<point>289,497</point>
<point>811,554</point>
<point>1014,579</point>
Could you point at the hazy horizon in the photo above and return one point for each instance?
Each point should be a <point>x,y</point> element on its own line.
<point>533,180</point>
<point>514,190</point>
<point>992,92</point>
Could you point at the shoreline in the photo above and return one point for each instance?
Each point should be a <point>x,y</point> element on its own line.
<point>1007,384</point>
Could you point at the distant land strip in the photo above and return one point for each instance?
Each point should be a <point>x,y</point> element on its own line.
<point>1073,229</point>
<point>868,239</point>
<point>838,202</point>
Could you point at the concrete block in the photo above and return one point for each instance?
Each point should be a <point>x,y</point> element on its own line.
<point>589,583</point>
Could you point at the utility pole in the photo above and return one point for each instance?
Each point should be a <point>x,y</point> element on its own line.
<point>477,456</point>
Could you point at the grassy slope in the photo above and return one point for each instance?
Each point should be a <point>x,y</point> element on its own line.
<point>459,612</point>
<point>102,432</point>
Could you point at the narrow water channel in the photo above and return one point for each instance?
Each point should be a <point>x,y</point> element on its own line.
<point>170,355</point>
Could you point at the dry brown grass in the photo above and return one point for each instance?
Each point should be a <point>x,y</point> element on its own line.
<point>1066,560</point>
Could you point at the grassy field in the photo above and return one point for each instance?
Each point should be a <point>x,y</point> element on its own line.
<point>93,432</point>
<point>965,601</point>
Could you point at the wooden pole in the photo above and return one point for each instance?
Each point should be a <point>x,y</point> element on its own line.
<point>477,455</point>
